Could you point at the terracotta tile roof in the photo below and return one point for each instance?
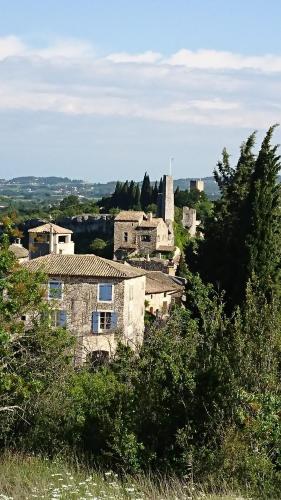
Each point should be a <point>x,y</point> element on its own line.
<point>82,265</point>
<point>19,251</point>
<point>46,228</point>
<point>158,282</point>
<point>166,248</point>
<point>154,222</point>
<point>130,215</point>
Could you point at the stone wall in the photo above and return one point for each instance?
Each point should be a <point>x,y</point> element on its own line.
<point>89,223</point>
<point>80,300</point>
<point>168,199</point>
<point>121,227</point>
<point>162,265</point>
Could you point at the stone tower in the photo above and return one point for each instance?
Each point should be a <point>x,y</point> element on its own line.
<point>196,184</point>
<point>167,199</point>
<point>50,238</point>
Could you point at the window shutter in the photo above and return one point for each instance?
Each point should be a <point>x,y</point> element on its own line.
<point>95,322</point>
<point>62,318</point>
<point>105,292</point>
<point>113,320</point>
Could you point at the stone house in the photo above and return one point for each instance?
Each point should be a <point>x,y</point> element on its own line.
<point>138,233</point>
<point>98,300</point>
<point>161,293</point>
<point>50,239</point>
<point>21,253</point>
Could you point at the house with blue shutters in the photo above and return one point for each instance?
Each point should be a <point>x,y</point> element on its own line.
<point>98,300</point>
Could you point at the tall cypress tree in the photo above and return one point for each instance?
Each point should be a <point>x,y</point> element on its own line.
<point>131,194</point>
<point>137,205</point>
<point>243,234</point>
<point>154,196</point>
<point>145,196</point>
<point>264,235</point>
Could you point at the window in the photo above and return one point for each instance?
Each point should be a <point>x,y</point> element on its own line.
<point>145,237</point>
<point>97,358</point>
<point>55,290</point>
<point>105,292</point>
<point>103,320</point>
<point>58,318</point>
<point>126,237</point>
<point>62,239</point>
<point>131,292</point>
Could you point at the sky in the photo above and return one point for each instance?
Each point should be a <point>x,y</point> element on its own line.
<point>104,89</point>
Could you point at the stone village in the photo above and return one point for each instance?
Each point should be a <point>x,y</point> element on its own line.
<point>102,301</point>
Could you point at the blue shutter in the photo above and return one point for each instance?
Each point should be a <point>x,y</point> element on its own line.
<point>62,318</point>
<point>105,292</point>
<point>113,320</point>
<point>95,322</point>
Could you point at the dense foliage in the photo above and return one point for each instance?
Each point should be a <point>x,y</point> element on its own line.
<point>202,397</point>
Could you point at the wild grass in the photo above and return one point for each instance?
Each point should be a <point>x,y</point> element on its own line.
<point>29,477</point>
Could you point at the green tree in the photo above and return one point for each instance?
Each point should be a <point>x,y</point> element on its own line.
<point>246,215</point>
<point>71,201</point>
<point>263,237</point>
<point>146,192</point>
<point>31,352</point>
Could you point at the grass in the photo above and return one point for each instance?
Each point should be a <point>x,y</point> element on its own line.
<point>31,477</point>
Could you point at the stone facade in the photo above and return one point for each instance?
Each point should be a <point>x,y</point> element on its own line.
<point>196,184</point>
<point>138,233</point>
<point>167,211</point>
<point>189,220</point>
<point>50,239</point>
<point>80,299</point>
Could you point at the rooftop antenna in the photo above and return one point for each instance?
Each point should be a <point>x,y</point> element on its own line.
<point>171,162</point>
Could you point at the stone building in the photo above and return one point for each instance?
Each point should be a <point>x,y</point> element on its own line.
<point>197,184</point>
<point>50,239</point>
<point>21,253</point>
<point>189,220</point>
<point>138,233</point>
<point>98,300</point>
<point>166,207</point>
<point>161,292</point>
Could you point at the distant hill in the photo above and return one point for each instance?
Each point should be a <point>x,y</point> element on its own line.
<point>65,186</point>
<point>210,186</point>
<point>44,180</point>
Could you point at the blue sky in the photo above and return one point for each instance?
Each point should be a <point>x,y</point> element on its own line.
<point>107,89</point>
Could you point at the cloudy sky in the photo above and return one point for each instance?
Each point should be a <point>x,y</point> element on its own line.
<point>105,89</point>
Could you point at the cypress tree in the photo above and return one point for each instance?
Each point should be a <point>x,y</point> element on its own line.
<point>145,196</point>
<point>243,236</point>
<point>131,194</point>
<point>137,205</point>
<point>154,196</point>
<point>264,239</point>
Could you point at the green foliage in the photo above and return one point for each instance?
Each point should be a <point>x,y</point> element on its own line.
<point>129,196</point>
<point>243,234</point>
<point>194,199</point>
<point>98,246</point>
<point>30,351</point>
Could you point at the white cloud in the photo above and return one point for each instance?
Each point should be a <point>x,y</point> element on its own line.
<point>124,57</point>
<point>212,59</point>
<point>200,87</point>
<point>11,46</point>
